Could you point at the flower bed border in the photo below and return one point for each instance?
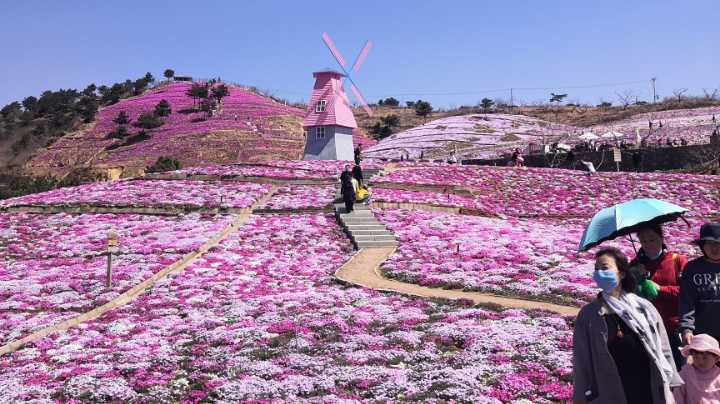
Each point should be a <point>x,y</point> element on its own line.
<point>121,210</point>
<point>239,178</point>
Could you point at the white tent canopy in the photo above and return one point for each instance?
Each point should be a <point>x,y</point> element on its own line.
<point>612,133</point>
<point>588,136</point>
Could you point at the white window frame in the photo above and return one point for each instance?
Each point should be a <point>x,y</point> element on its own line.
<point>320,106</point>
<point>320,132</point>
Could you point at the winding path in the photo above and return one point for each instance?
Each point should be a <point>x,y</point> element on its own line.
<point>361,270</point>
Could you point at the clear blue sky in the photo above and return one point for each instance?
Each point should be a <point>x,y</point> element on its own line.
<point>419,47</point>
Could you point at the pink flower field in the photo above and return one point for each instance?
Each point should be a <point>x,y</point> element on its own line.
<point>151,193</point>
<point>257,320</point>
<point>260,318</point>
<point>486,136</point>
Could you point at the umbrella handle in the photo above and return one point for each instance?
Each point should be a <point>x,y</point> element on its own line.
<point>633,244</point>
<point>685,220</point>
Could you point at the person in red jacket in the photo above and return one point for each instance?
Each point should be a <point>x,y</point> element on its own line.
<point>663,268</point>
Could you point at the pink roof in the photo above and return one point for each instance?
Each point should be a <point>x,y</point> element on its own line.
<point>328,87</point>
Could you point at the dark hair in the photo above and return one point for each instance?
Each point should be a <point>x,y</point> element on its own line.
<point>621,261</point>
<point>655,228</point>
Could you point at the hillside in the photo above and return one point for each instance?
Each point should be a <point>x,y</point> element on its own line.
<point>263,128</point>
<point>482,135</point>
<point>246,128</point>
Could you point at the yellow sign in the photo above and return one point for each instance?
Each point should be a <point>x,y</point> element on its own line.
<point>112,242</point>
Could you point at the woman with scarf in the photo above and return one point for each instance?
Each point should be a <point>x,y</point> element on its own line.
<point>621,352</point>
<point>663,269</point>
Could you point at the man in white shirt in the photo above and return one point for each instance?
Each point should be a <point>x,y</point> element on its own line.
<point>589,166</point>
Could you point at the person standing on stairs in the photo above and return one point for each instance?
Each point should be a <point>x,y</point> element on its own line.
<point>357,174</point>
<point>347,189</point>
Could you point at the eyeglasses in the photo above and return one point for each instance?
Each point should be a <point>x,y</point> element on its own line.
<point>704,354</point>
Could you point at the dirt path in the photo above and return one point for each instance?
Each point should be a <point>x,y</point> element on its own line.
<point>362,270</point>
<point>134,292</point>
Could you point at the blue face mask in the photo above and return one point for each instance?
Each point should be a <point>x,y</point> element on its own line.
<point>606,280</point>
<point>655,256</point>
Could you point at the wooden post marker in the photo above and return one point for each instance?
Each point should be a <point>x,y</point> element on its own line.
<point>112,248</point>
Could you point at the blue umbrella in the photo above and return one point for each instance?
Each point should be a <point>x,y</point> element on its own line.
<point>626,218</point>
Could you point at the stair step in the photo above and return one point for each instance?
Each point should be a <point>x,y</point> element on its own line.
<point>368,232</point>
<point>361,227</point>
<point>376,244</point>
<point>385,237</point>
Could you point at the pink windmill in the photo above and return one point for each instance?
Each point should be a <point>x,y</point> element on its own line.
<point>329,120</point>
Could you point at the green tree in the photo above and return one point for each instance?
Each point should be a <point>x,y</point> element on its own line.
<point>162,109</point>
<point>486,103</point>
<point>423,109</point>
<point>112,95</point>
<point>30,104</point>
<point>380,132</point>
<point>139,86</point>
<point>10,111</point>
<point>391,120</point>
<point>220,92</point>
<point>122,119</point>
<point>392,102</point>
<point>196,91</point>
<point>165,164</point>
<point>89,91</point>
<point>88,107</point>
<point>149,78</point>
<point>169,73</point>
<point>119,132</point>
<point>26,117</point>
<point>207,105</point>
<point>147,120</point>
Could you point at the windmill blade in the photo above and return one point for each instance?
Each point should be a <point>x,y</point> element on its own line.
<point>333,49</point>
<point>360,58</point>
<point>361,99</point>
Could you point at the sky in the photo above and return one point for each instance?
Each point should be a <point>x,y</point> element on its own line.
<point>450,53</point>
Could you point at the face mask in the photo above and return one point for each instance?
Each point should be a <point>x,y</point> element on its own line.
<point>654,257</point>
<point>606,280</point>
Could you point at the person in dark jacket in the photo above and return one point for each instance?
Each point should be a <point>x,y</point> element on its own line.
<point>357,174</point>
<point>664,270</point>
<point>571,159</point>
<point>620,353</point>
<point>699,298</point>
<point>637,160</point>
<point>347,189</point>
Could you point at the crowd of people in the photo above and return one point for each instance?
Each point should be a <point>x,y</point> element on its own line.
<point>352,184</point>
<point>631,343</point>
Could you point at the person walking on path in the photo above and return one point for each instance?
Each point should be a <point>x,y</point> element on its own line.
<point>357,174</point>
<point>664,270</point>
<point>589,167</point>
<point>699,299</point>
<point>358,154</point>
<point>347,189</point>
<point>620,354</point>
<point>571,159</point>
<point>701,377</point>
<point>637,160</point>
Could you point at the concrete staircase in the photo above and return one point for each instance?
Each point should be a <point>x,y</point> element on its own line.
<point>361,226</point>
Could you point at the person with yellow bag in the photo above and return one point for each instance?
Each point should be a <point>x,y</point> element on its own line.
<point>363,195</point>
<point>658,272</point>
